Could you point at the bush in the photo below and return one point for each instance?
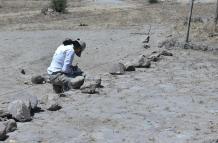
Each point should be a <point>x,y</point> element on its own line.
<point>153,1</point>
<point>59,5</point>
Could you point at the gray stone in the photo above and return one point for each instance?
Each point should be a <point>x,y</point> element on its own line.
<point>30,100</point>
<point>169,43</point>
<point>11,125</point>
<point>146,46</point>
<point>38,79</point>
<point>19,111</point>
<point>117,69</point>
<point>98,83</point>
<point>142,62</point>
<point>155,56</point>
<point>3,135</point>
<point>89,89</point>
<point>53,102</point>
<point>166,53</point>
<point>77,82</point>
<point>4,114</point>
<point>129,66</point>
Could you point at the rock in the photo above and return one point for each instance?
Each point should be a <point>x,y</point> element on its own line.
<point>33,102</point>
<point>30,100</point>
<point>23,71</point>
<point>3,135</point>
<point>166,53</point>
<point>129,66</point>
<point>77,82</point>
<point>98,83</point>
<point>89,89</point>
<point>147,39</point>
<point>38,79</point>
<point>155,56</point>
<point>146,46</point>
<point>53,103</point>
<point>142,62</point>
<point>117,69</point>
<point>19,111</point>
<point>11,125</point>
<point>169,43</point>
<point>4,114</point>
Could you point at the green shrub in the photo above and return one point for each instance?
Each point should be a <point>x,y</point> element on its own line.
<point>59,5</point>
<point>153,1</point>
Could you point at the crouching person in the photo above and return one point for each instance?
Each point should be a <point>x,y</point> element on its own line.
<point>62,74</point>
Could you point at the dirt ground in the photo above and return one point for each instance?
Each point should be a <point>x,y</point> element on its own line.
<point>174,101</point>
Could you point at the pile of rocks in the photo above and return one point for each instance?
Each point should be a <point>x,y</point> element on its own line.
<point>141,62</point>
<point>22,110</point>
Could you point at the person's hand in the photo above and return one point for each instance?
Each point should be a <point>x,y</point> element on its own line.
<point>75,67</point>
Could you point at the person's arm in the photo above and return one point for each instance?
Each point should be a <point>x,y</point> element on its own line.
<point>67,67</point>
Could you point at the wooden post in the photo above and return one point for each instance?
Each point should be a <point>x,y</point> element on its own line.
<point>189,21</point>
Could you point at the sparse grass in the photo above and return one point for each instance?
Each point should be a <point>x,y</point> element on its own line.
<point>59,5</point>
<point>153,1</point>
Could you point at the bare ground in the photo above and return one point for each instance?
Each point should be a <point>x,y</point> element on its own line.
<point>172,102</point>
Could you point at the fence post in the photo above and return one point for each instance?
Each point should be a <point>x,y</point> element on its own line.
<point>189,21</point>
<point>216,17</point>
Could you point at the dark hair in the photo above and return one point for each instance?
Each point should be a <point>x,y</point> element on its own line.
<point>67,41</point>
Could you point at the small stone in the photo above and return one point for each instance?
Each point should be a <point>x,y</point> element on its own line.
<point>117,69</point>
<point>4,114</point>
<point>11,125</point>
<point>38,79</point>
<point>169,43</point>
<point>52,102</point>
<point>98,83</point>
<point>3,135</point>
<point>33,102</point>
<point>147,39</point>
<point>154,57</point>
<point>142,62</point>
<point>19,111</point>
<point>146,46</point>
<point>129,66</point>
<point>90,89</point>
<point>166,53</point>
<point>23,71</point>
<point>30,100</point>
<point>77,82</point>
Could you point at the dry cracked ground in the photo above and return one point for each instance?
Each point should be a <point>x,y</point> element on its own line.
<point>174,101</point>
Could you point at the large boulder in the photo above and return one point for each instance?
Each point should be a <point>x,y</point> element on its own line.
<point>3,132</point>
<point>11,125</point>
<point>53,102</point>
<point>19,111</point>
<point>117,69</point>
